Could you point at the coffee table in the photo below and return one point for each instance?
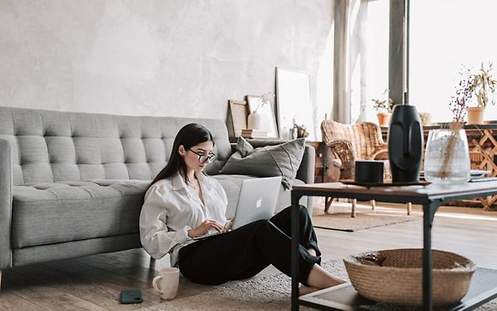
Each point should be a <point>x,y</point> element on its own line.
<point>429,196</point>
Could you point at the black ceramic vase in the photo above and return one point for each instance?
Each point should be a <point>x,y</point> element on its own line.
<point>405,144</point>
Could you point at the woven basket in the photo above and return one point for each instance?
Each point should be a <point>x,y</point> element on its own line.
<point>395,276</point>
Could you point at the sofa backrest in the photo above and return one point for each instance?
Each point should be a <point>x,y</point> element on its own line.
<point>51,146</point>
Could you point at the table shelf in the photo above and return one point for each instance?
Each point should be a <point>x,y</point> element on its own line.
<point>344,297</point>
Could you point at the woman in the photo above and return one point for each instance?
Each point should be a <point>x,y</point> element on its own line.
<point>183,204</point>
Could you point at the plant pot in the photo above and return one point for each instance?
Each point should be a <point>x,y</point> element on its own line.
<point>384,118</point>
<point>475,115</point>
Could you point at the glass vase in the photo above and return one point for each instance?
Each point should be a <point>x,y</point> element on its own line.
<point>447,157</point>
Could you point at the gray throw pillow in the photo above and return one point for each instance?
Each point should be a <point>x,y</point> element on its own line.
<point>244,147</point>
<point>276,160</point>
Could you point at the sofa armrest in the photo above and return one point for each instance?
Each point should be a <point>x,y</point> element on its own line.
<point>307,166</point>
<point>6,181</point>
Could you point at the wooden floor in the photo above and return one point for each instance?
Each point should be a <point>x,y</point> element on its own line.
<point>94,282</point>
<point>470,232</point>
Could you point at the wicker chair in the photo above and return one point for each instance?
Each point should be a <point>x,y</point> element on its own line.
<point>348,143</point>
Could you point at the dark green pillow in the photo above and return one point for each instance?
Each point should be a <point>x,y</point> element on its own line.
<point>276,160</point>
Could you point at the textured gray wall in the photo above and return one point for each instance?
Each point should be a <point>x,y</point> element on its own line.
<point>160,57</point>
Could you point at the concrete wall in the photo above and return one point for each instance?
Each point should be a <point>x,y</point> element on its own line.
<point>160,57</point>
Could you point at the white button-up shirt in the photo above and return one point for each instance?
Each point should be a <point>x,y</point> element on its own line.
<point>172,207</point>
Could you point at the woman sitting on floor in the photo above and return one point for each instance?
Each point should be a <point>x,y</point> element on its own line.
<point>182,204</point>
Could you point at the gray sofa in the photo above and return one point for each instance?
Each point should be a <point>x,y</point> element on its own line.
<point>72,184</point>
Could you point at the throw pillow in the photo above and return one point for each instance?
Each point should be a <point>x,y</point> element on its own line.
<point>276,160</point>
<point>244,147</point>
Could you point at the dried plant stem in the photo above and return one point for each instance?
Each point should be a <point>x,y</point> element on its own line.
<point>447,153</point>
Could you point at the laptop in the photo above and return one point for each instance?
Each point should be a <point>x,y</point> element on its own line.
<point>257,200</point>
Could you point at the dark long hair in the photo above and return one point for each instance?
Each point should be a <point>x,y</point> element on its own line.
<point>189,135</point>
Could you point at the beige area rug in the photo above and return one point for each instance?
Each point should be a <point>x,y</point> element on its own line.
<point>269,290</point>
<point>339,218</point>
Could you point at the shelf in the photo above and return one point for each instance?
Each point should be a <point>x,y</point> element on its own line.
<point>483,288</point>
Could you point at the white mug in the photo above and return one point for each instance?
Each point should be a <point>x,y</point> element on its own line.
<point>166,283</point>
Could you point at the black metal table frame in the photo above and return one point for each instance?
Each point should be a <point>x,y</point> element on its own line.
<point>430,207</point>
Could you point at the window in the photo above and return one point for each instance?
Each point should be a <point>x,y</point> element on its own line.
<point>369,24</point>
<point>446,35</point>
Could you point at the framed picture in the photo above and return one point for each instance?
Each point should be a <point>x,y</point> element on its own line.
<point>238,112</point>
<point>264,105</point>
<point>294,102</point>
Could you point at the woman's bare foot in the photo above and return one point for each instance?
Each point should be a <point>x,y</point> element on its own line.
<point>339,282</point>
<point>320,278</point>
<point>304,290</point>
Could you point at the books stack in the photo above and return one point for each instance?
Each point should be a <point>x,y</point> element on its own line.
<point>253,133</point>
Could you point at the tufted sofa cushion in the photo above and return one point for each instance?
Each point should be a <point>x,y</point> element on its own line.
<point>51,146</point>
<point>48,213</point>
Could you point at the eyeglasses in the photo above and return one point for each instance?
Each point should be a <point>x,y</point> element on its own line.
<point>204,158</point>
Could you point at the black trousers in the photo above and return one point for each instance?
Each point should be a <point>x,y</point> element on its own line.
<point>244,252</point>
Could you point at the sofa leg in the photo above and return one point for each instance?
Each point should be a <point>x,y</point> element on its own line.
<point>354,202</point>
<point>409,208</point>
<point>0,279</point>
<point>373,205</point>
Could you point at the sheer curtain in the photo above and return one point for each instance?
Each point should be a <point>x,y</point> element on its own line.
<point>361,58</point>
<point>349,63</point>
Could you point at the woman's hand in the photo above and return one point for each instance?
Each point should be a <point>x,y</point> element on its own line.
<point>228,225</point>
<point>204,227</point>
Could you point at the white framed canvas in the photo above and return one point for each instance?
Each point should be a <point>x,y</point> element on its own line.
<point>264,106</point>
<point>294,101</point>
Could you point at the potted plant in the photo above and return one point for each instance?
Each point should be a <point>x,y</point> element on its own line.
<point>482,86</point>
<point>383,106</point>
